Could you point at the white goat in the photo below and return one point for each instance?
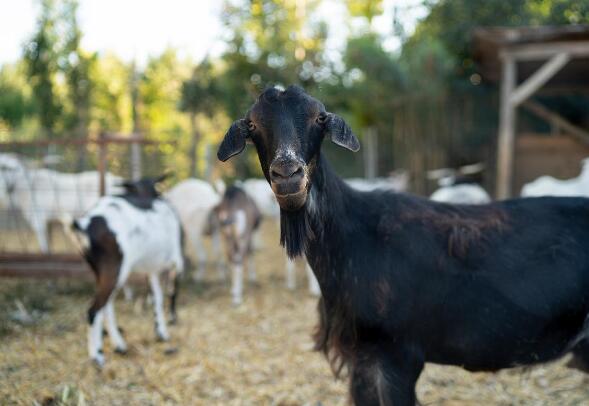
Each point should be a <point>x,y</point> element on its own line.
<point>450,191</point>
<point>549,186</point>
<point>193,200</point>
<point>397,181</point>
<point>44,195</point>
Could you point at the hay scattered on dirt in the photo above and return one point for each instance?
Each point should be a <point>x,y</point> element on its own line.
<point>259,353</point>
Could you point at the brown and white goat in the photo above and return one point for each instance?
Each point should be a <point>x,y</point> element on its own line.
<point>238,218</point>
<point>134,232</point>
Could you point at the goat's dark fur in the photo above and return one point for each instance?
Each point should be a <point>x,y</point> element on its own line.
<point>405,280</point>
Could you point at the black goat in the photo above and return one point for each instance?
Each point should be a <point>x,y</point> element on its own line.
<point>406,280</point>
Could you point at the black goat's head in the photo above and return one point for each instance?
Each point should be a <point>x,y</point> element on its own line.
<point>145,187</point>
<point>287,128</point>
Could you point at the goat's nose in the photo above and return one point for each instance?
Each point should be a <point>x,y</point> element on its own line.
<point>286,170</point>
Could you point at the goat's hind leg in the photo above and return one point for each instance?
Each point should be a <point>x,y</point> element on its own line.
<point>172,286</point>
<point>105,286</point>
<point>158,304</point>
<point>383,378</point>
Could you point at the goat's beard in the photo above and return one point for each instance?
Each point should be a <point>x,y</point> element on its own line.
<point>295,231</point>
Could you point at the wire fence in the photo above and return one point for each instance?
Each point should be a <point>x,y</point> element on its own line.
<point>46,184</point>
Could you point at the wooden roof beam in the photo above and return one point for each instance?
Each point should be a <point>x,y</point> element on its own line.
<point>556,120</point>
<point>531,52</point>
<point>532,84</point>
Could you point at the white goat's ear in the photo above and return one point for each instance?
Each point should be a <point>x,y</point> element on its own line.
<point>340,133</point>
<point>234,141</point>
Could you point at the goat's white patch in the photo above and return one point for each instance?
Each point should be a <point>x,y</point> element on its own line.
<point>314,287</point>
<point>240,218</point>
<point>287,152</point>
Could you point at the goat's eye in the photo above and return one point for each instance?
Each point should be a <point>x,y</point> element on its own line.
<point>251,126</point>
<point>321,118</point>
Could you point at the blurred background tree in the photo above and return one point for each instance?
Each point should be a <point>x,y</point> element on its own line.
<point>422,105</point>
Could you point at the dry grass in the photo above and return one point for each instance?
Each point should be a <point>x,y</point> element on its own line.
<point>258,353</point>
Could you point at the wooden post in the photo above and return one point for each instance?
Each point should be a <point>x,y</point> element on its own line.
<point>507,122</point>
<point>370,153</point>
<point>102,163</point>
<point>136,166</point>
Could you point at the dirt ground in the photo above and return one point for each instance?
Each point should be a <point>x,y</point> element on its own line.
<point>255,354</point>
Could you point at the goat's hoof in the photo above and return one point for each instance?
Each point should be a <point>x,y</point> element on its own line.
<point>98,361</point>
<point>162,338</point>
<point>121,350</point>
<point>173,321</point>
<point>171,351</point>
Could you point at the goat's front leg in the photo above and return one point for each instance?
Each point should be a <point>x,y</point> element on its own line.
<point>237,282</point>
<point>113,330</point>
<point>158,304</point>
<point>216,245</point>
<point>385,378</point>
<point>291,279</point>
<point>201,257</point>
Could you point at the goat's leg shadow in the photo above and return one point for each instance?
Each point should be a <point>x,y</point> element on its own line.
<point>384,377</point>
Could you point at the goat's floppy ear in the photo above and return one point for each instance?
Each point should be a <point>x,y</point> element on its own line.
<point>340,133</point>
<point>128,185</point>
<point>234,141</point>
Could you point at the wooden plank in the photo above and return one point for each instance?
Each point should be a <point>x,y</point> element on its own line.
<point>539,78</point>
<point>45,269</point>
<point>107,138</point>
<point>49,266</point>
<point>102,165</point>
<point>557,120</point>
<point>38,257</point>
<point>507,121</point>
<point>529,52</point>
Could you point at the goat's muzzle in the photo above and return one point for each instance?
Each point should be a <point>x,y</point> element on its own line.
<point>288,179</point>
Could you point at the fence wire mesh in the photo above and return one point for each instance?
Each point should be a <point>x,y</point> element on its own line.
<point>45,185</point>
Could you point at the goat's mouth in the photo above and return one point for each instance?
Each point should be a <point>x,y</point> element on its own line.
<point>293,201</point>
<point>291,196</point>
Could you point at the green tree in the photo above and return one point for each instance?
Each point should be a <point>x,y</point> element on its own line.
<point>15,98</point>
<point>270,42</point>
<point>197,96</point>
<point>41,59</point>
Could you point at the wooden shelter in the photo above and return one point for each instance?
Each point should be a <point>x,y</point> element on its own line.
<point>527,61</point>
